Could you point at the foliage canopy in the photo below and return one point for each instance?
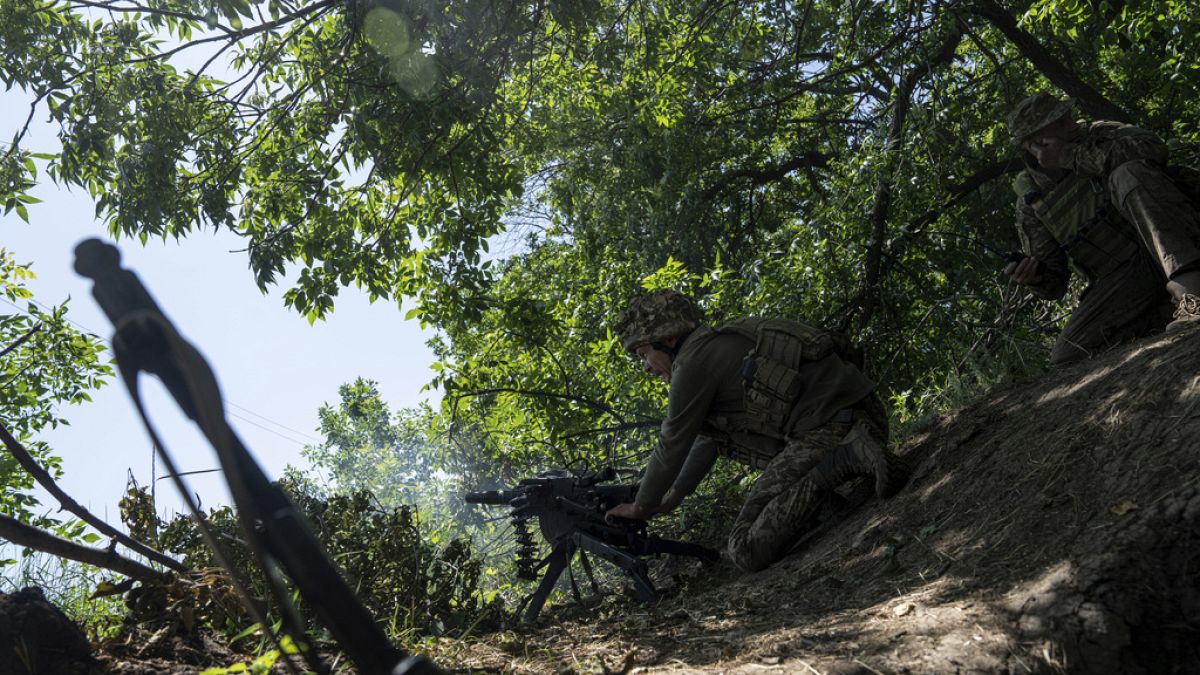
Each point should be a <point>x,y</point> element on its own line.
<point>840,161</point>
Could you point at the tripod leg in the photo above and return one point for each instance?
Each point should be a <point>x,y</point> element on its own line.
<point>587,567</point>
<point>556,562</point>
<point>574,585</point>
<point>632,566</point>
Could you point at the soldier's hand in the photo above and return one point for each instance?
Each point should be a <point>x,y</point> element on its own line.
<point>1027,272</point>
<point>629,511</point>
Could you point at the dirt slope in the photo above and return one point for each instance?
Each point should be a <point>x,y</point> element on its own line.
<point>1053,526</point>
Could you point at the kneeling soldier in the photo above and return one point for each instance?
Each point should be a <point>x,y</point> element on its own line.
<point>1102,196</point>
<point>770,393</point>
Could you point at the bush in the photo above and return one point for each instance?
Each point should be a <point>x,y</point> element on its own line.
<point>410,584</point>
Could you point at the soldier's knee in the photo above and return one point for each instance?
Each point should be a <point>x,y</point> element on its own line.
<point>1133,174</point>
<point>1067,352</point>
<point>747,556</point>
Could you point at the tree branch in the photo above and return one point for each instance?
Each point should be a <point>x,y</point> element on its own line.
<point>982,176</point>
<point>21,340</point>
<point>322,7</point>
<point>46,481</point>
<point>959,191</point>
<point>595,405</point>
<point>28,536</point>
<point>627,426</point>
<point>766,174</point>
<point>1050,65</point>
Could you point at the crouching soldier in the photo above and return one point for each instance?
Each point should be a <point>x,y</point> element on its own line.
<point>1101,196</point>
<point>770,393</point>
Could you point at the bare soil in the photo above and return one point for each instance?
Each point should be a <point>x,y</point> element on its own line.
<point>1052,527</point>
<point>36,637</point>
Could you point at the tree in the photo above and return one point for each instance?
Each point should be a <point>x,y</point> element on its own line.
<point>44,364</point>
<point>367,448</point>
<point>842,162</point>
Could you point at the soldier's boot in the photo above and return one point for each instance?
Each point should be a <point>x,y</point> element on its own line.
<point>1187,312</point>
<point>861,455</point>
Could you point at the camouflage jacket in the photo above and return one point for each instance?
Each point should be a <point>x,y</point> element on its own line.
<point>707,410</point>
<point>1068,214</point>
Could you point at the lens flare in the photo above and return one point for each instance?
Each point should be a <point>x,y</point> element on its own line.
<point>387,31</point>
<point>416,73</point>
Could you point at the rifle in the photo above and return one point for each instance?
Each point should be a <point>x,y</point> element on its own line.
<point>570,512</point>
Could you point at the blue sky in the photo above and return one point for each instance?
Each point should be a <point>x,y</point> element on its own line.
<point>274,369</point>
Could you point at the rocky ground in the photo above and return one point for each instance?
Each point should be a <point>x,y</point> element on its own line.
<point>1053,526</point>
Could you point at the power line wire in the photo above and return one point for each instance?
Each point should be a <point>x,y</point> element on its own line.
<point>265,428</point>
<point>244,409</point>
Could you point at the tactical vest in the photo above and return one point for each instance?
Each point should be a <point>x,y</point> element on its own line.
<point>1080,215</point>
<point>771,377</point>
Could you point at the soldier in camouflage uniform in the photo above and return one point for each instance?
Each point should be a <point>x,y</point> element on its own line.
<point>773,394</point>
<point>1098,196</point>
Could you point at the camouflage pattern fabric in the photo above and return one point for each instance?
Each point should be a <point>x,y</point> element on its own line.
<point>1131,302</point>
<point>1036,113</point>
<point>1076,218</point>
<point>655,317</point>
<point>1168,223</point>
<point>707,396</point>
<point>1146,231</point>
<point>776,510</point>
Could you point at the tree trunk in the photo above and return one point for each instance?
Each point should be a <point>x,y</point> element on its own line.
<point>868,297</point>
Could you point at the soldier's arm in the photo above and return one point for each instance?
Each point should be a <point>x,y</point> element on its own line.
<point>699,462</point>
<point>1109,145</point>
<point>688,402</point>
<point>1038,243</point>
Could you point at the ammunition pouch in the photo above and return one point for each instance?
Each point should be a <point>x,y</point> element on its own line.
<point>772,382</point>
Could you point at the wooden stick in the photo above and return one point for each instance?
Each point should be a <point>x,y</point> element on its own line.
<point>46,481</point>
<point>28,536</point>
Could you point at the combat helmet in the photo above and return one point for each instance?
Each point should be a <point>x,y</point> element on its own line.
<point>657,316</point>
<point>1036,113</point>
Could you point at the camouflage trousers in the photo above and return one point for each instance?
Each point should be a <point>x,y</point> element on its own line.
<point>777,509</point>
<point>1132,301</point>
<point>1167,221</point>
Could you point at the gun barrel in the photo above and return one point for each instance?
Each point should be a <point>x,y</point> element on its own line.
<point>499,497</point>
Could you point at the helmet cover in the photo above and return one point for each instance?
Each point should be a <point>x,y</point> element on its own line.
<point>1036,113</point>
<point>657,316</point>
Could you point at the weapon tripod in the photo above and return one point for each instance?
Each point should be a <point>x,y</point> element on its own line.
<point>570,512</point>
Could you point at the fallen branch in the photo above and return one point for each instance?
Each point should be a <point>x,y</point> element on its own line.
<point>46,481</point>
<point>28,536</point>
